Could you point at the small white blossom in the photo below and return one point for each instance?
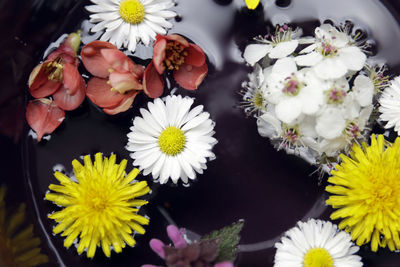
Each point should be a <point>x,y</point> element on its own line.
<point>333,54</point>
<point>283,43</point>
<point>390,105</point>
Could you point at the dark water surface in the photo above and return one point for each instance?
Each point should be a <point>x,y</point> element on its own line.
<point>249,180</point>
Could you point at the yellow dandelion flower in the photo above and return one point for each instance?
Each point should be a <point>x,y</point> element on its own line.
<point>252,4</point>
<point>18,245</point>
<point>100,207</point>
<point>367,193</point>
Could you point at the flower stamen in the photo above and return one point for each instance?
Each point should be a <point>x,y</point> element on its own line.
<point>172,141</point>
<point>175,55</point>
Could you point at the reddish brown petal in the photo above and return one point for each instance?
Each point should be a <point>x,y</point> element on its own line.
<point>67,101</point>
<point>94,61</point>
<point>123,82</point>
<point>174,37</point>
<point>153,83</point>
<point>195,56</point>
<point>159,55</point>
<point>71,78</point>
<point>39,85</point>
<point>137,71</point>
<point>99,92</point>
<point>67,57</point>
<point>124,105</point>
<point>190,77</point>
<point>117,60</point>
<point>44,116</point>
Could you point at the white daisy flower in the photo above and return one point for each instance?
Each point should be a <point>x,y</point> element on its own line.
<point>390,105</point>
<point>126,22</point>
<point>283,43</point>
<point>333,54</point>
<point>171,140</point>
<point>316,243</point>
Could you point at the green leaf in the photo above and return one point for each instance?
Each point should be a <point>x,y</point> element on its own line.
<point>229,240</point>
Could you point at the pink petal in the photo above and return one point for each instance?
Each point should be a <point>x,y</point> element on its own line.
<point>190,77</point>
<point>39,84</point>
<point>153,83</point>
<point>138,71</point>
<point>94,61</point>
<point>224,264</point>
<point>124,104</point>
<point>67,101</point>
<point>176,236</point>
<point>195,56</point>
<point>117,59</point>
<point>99,92</point>
<point>123,82</point>
<point>67,56</point>
<point>174,37</point>
<point>71,78</point>
<point>159,55</point>
<point>44,116</point>
<point>157,246</point>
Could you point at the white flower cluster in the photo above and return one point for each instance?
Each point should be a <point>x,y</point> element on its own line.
<point>313,100</point>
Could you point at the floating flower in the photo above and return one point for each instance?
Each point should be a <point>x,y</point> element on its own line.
<point>174,53</point>
<point>293,92</point>
<point>279,45</point>
<point>171,140</point>
<point>58,76</point>
<point>316,243</point>
<point>117,78</point>
<point>18,245</point>
<point>309,115</point>
<point>254,92</point>
<point>44,116</point>
<point>202,253</point>
<point>126,22</point>
<point>366,190</point>
<point>252,4</point>
<point>333,54</point>
<point>390,105</point>
<point>101,207</point>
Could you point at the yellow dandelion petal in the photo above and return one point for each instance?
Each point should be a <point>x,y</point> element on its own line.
<point>366,193</point>
<point>100,208</point>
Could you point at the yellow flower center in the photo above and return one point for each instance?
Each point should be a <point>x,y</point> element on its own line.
<point>175,55</point>
<point>132,11</point>
<point>172,141</point>
<point>318,257</point>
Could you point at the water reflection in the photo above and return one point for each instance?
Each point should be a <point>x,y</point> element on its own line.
<point>18,245</point>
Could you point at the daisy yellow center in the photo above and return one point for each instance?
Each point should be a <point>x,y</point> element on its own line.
<point>172,141</point>
<point>318,257</point>
<point>132,11</point>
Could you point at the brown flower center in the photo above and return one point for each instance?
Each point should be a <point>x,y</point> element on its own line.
<point>175,54</point>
